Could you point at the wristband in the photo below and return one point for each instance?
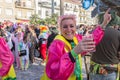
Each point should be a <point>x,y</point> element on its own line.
<point>73,54</point>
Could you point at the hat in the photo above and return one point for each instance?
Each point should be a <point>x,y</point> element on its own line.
<point>43,28</point>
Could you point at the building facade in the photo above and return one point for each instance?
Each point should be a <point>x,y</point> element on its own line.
<point>24,9</point>
<point>16,10</point>
<point>21,10</point>
<point>85,16</point>
<point>72,7</point>
<point>7,10</point>
<point>45,8</point>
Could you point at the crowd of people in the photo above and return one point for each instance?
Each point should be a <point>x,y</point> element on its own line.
<point>21,41</point>
<point>64,48</point>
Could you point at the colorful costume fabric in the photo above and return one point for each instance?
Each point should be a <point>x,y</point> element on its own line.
<point>106,54</point>
<point>6,61</point>
<point>59,65</point>
<point>43,45</point>
<point>24,60</point>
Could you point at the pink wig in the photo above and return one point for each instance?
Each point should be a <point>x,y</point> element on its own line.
<point>63,17</point>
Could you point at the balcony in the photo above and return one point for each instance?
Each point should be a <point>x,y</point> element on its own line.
<point>45,4</point>
<point>23,5</point>
<point>67,7</point>
<point>17,4</point>
<point>48,14</point>
<point>21,18</point>
<point>44,1</point>
<point>76,9</point>
<point>48,4</point>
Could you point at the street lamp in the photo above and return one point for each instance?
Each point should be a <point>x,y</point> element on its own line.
<point>52,7</point>
<point>61,7</point>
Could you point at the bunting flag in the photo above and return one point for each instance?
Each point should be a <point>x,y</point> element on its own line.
<point>87,3</point>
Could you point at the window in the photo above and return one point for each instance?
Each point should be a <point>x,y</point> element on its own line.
<point>66,5</point>
<point>24,4</point>
<point>9,12</point>
<point>39,5</point>
<point>39,12</point>
<point>82,18</point>
<point>9,1</point>
<point>29,4</point>
<point>29,14</point>
<point>19,13</point>
<point>55,4</point>
<point>48,13</point>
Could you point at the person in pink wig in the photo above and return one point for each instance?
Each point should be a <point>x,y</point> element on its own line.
<point>64,54</point>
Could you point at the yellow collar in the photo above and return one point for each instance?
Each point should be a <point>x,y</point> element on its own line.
<point>60,37</point>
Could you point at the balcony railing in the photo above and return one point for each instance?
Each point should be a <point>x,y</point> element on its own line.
<point>21,18</point>
<point>45,4</point>
<point>18,4</point>
<point>22,5</point>
<point>76,9</point>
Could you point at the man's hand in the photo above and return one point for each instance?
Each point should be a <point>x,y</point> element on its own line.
<point>107,18</point>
